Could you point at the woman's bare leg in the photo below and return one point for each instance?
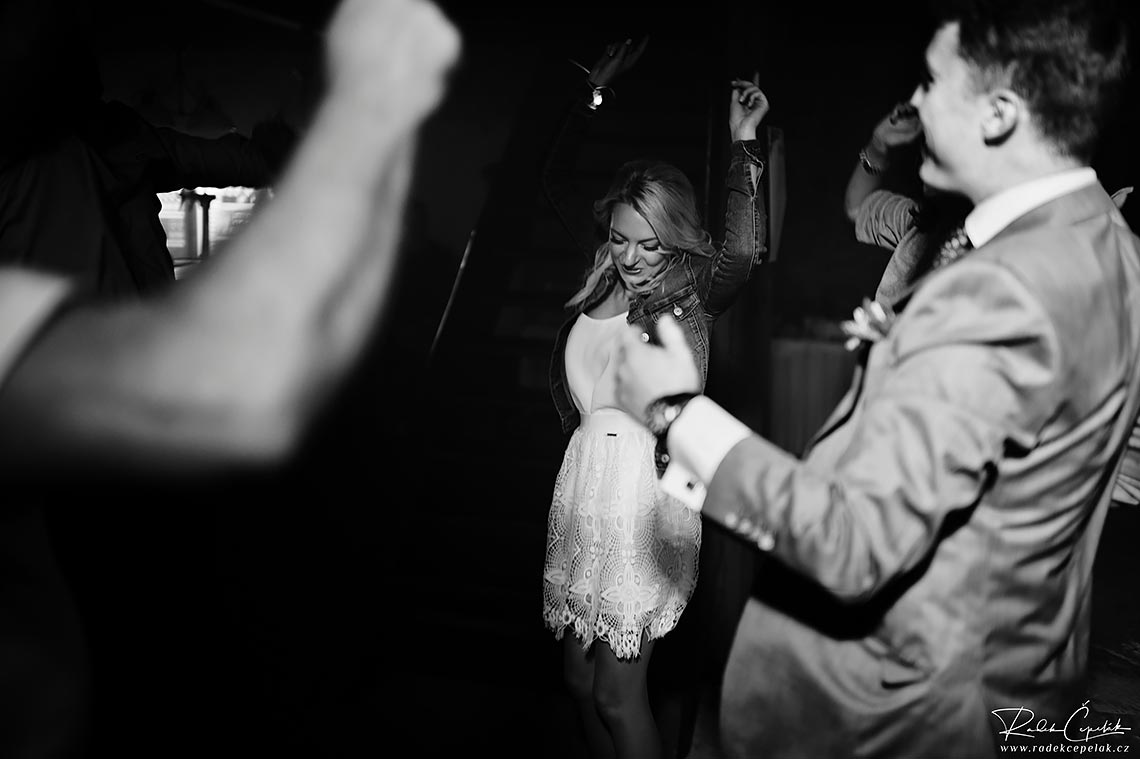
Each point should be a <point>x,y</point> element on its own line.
<point>621,694</point>
<point>578,670</point>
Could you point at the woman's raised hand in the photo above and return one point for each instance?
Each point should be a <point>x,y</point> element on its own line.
<point>617,58</point>
<point>899,127</point>
<point>747,108</point>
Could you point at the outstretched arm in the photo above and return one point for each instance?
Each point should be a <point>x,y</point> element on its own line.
<point>233,366</point>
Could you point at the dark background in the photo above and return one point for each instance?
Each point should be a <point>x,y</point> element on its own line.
<point>829,73</point>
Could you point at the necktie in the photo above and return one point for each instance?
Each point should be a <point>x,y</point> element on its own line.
<point>956,245</point>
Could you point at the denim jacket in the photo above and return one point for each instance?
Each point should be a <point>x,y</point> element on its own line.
<point>696,290</point>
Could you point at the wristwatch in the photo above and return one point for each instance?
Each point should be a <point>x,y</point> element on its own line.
<point>661,413</point>
<point>869,167</point>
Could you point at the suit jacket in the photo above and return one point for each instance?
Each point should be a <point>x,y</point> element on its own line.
<point>934,547</point>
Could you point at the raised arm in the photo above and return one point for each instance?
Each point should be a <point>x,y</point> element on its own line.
<point>570,203</point>
<point>746,213</point>
<point>231,367</point>
<point>898,128</point>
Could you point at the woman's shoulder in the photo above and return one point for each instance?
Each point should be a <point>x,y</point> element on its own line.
<point>681,278</point>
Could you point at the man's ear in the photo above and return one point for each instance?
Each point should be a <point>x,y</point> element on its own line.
<point>1003,111</point>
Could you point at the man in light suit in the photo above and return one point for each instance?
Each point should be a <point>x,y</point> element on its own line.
<point>939,533</point>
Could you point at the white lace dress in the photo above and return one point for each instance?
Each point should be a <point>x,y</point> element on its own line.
<point>621,556</point>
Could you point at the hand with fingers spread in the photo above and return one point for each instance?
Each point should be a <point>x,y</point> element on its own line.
<point>617,58</point>
<point>747,108</point>
<point>647,372</point>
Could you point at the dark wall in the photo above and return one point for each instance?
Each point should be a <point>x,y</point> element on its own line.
<point>208,65</point>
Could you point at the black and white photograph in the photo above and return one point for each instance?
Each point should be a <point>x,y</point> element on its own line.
<point>591,380</point>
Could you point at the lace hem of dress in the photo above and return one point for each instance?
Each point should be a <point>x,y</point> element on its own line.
<point>625,643</point>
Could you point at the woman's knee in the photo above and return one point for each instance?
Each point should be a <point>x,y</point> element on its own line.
<point>616,692</point>
<point>578,673</point>
<point>580,687</point>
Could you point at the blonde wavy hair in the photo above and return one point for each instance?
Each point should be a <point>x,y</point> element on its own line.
<point>663,195</point>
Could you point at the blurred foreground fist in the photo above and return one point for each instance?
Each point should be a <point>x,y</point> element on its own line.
<point>391,54</point>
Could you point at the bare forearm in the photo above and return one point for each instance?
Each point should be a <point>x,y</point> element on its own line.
<point>232,365</point>
<point>291,304</point>
<point>98,391</point>
<point>335,224</point>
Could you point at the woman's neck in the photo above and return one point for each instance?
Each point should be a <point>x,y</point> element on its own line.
<point>616,302</point>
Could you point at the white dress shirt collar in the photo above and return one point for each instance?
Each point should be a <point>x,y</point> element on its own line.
<point>996,213</point>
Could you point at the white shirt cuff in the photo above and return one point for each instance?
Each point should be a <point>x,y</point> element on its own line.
<point>698,441</point>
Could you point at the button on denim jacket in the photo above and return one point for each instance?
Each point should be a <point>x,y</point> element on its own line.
<point>696,290</point>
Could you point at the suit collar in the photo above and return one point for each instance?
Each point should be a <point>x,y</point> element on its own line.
<point>995,213</point>
<point>1072,207</point>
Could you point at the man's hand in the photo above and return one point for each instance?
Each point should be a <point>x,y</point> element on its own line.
<point>646,372</point>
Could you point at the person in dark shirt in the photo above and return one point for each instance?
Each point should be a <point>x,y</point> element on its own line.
<point>79,175</point>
